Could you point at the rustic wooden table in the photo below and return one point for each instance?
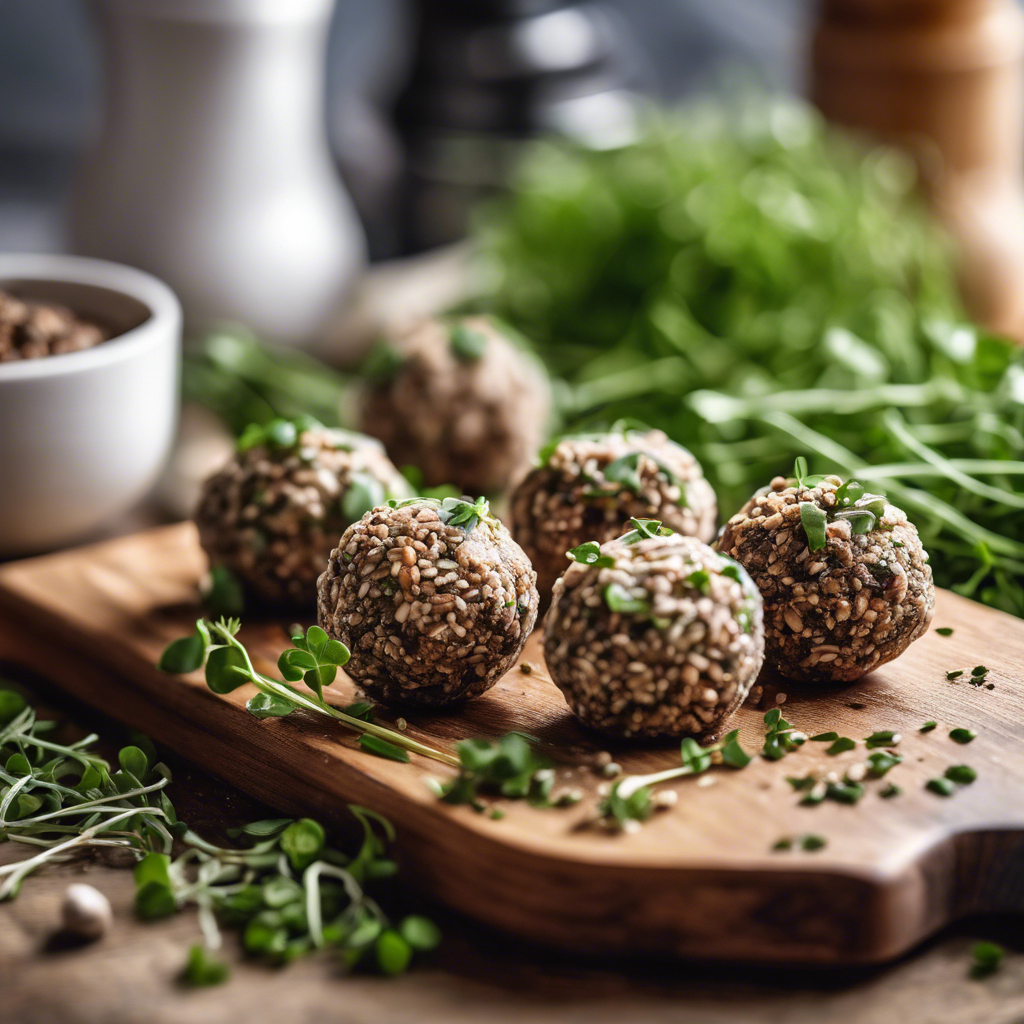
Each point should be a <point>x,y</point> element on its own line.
<point>477,975</point>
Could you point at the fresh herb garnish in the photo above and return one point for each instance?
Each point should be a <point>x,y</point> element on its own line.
<point>781,738</point>
<point>890,791</point>
<point>882,738</point>
<point>383,363</point>
<point>452,511</point>
<point>467,343</point>
<point>589,554</point>
<point>964,774</point>
<point>631,799</point>
<point>954,674</point>
<point>853,505</point>
<point>314,659</point>
<point>276,435</point>
<point>508,767</point>
<point>620,600</point>
<point>941,787</point>
<point>986,958</point>
<point>928,726</point>
<point>961,735</point>
<point>841,745</point>
<point>221,593</point>
<point>945,630</point>
<point>288,893</point>
<point>881,761</point>
<point>644,529</point>
<point>809,841</point>
<point>363,494</point>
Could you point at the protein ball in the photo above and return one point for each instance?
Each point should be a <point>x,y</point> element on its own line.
<point>272,515</point>
<point>846,584</point>
<point>588,487</point>
<point>666,640</point>
<point>434,600</point>
<point>459,401</point>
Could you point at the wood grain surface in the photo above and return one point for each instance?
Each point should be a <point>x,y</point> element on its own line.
<point>699,880</point>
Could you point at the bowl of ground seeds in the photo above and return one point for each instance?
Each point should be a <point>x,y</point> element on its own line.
<point>89,363</point>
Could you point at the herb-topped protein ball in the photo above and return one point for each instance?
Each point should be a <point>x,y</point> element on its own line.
<point>457,399</point>
<point>272,515</point>
<point>653,634</point>
<point>845,581</point>
<point>589,486</point>
<point>433,598</point>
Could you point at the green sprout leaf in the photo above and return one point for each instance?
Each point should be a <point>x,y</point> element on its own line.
<point>814,520</point>
<point>202,970</point>
<point>467,343</point>
<point>622,601</point>
<point>589,554</point>
<point>375,745</point>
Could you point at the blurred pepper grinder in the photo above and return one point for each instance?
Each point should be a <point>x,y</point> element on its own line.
<point>488,74</point>
<point>213,170</point>
<point>945,78</point>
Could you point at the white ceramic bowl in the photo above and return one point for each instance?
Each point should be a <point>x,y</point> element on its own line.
<point>83,436</point>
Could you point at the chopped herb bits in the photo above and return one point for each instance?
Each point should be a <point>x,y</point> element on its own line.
<point>882,738</point>
<point>986,959</point>
<point>890,791</point>
<point>944,631</point>
<point>928,726</point>
<point>941,787</point>
<point>962,773</point>
<point>961,735</point>
<point>841,745</point>
<point>809,841</point>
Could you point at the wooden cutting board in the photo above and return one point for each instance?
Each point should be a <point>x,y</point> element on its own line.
<point>698,880</point>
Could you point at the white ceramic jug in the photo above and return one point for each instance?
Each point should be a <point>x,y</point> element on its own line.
<point>213,170</point>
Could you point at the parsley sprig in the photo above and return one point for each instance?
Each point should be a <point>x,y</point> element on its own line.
<point>314,659</point>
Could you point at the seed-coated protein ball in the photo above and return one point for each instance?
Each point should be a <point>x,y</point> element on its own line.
<point>273,514</point>
<point>661,636</point>
<point>588,487</point>
<point>458,400</point>
<point>434,600</point>
<point>856,602</point>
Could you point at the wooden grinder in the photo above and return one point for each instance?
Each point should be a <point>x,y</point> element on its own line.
<point>945,79</point>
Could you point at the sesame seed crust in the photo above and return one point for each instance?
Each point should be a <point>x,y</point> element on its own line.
<point>835,614</point>
<point>432,614</point>
<point>554,508</point>
<point>469,422</point>
<point>273,516</point>
<point>680,668</point>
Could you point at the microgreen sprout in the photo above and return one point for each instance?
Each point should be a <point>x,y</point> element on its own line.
<point>863,511</point>
<point>314,659</point>
<point>781,738</point>
<point>452,511</point>
<point>590,554</point>
<point>508,767</point>
<point>62,798</point>
<point>288,892</point>
<point>631,799</point>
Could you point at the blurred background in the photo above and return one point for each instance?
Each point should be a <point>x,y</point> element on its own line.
<point>768,227</point>
<point>50,85</point>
